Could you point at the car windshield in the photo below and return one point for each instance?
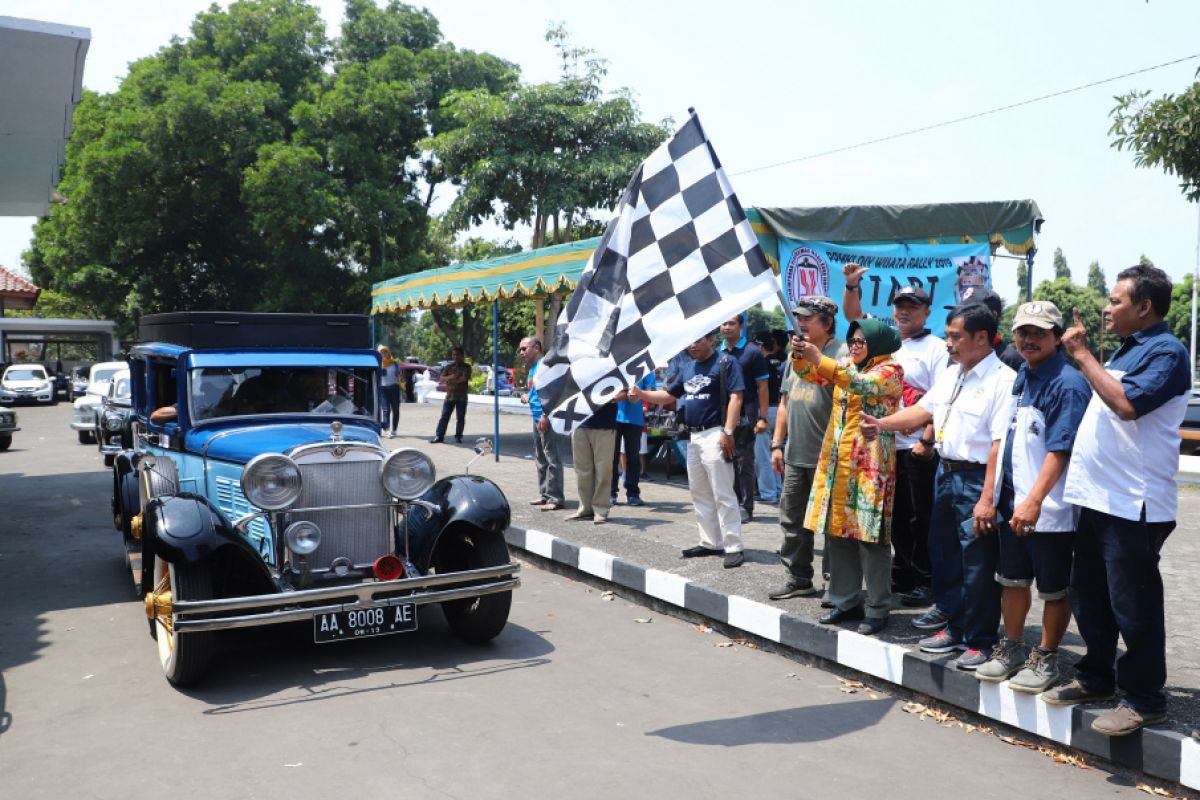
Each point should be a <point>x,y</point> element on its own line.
<point>236,392</point>
<point>25,374</point>
<point>105,375</point>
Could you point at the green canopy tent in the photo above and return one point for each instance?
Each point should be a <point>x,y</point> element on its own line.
<point>554,271</point>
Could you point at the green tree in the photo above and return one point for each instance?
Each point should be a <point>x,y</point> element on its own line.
<point>1162,133</point>
<point>546,154</point>
<point>1061,270</point>
<point>1144,261</point>
<point>1068,296</point>
<point>1179,317</point>
<point>1022,279</point>
<point>1096,279</point>
<point>258,164</point>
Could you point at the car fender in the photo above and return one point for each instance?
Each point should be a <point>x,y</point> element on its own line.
<point>460,499</point>
<point>187,529</point>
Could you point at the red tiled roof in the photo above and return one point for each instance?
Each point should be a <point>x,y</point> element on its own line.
<point>13,285</point>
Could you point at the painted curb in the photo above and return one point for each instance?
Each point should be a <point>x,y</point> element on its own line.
<point>1161,753</point>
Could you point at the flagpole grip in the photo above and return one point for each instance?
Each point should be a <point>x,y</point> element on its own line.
<point>787,311</point>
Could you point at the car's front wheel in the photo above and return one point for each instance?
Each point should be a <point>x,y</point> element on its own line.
<point>476,620</point>
<point>5,440</point>
<point>85,437</point>
<point>184,656</point>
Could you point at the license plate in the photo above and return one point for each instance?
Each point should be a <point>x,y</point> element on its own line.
<point>360,623</point>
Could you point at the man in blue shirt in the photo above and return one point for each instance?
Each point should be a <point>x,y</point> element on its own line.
<point>710,391</point>
<point>755,374</point>
<point>630,420</point>
<point>1036,530</point>
<point>1122,478</point>
<point>547,449</point>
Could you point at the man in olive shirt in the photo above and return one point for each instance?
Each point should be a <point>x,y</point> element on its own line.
<point>804,410</point>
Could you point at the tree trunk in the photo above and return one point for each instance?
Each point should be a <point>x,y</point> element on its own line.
<point>552,320</point>
<point>447,322</point>
<point>556,239</point>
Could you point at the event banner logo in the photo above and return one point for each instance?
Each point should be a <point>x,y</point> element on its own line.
<point>946,271</point>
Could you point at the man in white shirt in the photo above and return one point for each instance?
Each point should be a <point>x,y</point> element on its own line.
<point>923,357</point>
<point>1122,479</point>
<point>968,407</point>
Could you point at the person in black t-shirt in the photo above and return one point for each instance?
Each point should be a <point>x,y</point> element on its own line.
<point>710,412</point>
<point>755,375</point>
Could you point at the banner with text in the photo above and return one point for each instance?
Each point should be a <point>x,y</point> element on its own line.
<point>943,270</point>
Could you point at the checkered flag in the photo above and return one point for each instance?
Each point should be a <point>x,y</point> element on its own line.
<point>678,258</point>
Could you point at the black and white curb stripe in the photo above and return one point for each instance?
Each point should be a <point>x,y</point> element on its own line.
<point>1156,751</point>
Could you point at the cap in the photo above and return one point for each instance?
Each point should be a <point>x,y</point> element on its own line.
<point>1040,314</point>
<point>913,293</point>
<point>816,304</point>
<point>981,295</point>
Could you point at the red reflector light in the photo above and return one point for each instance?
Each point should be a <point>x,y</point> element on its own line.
<point>388,568</point>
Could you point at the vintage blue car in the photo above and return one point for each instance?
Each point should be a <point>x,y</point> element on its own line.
<point>257,492</point>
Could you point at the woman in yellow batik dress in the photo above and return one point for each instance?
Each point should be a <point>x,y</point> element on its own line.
<point>855,482</point>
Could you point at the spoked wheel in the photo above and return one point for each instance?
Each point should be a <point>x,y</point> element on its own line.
<point>477,620</point>
<point>184,656</point>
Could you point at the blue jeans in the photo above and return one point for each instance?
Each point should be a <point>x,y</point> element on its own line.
<point>1116,588</point>
<point>391,406</point>
<point>964,566</point>
<point>769,483</point>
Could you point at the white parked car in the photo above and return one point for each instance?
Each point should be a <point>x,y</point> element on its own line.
<point>26,382</point>
<point>87,408</point>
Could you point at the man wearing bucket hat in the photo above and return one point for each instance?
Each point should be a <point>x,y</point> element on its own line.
<point>1050,397</point>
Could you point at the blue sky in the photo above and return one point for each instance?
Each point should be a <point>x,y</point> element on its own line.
<point>774,81</point>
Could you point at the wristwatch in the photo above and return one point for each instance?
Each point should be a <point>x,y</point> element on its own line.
<point>726,431</point>
<point>927,442</point>
<point>776,446</point>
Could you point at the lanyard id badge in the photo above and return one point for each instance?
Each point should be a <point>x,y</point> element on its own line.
<point>939,434</point>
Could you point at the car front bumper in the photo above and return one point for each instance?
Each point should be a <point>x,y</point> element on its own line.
<point>82,426</point>
<point>301,605</point>
<point>27,397</point>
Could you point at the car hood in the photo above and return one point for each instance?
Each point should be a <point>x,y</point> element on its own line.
<point>240,443</point>
<point>10,383</point>
<point>88,400</point>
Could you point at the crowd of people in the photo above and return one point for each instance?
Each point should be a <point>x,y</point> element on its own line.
<point>950,475</point>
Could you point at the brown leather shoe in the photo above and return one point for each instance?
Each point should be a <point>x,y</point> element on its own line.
<point>1124,720</point>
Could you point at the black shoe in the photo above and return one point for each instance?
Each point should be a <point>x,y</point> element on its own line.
<point>793,587</point>
<point>932,620</point>
<point>701,550</point>
<point>458,439</point>
<point>734,559</point>
<point>746,516</point>
<point>920,597</point>
<point>826,604</point>
<point>436,440</point>
<point>872,625</point>
<point>834,616</point>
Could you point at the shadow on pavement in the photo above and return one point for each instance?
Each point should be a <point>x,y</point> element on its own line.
<point>790,726</point>
<point>280,666</point>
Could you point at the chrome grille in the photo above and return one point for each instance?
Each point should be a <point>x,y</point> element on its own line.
<point>359,534</point>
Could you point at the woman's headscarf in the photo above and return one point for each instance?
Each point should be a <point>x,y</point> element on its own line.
<point>882,339</point>
<point>385,356</point>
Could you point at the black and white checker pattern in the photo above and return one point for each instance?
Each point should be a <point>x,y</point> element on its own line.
<point>678,258</point>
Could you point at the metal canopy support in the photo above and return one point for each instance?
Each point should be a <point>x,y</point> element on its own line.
<point>496,375</point>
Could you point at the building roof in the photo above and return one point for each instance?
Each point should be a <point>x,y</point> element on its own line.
<point>15,291</point>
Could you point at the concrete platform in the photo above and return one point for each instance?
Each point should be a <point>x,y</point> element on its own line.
<point>639,551</point>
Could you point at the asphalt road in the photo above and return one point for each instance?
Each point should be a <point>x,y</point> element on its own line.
<point>582,695</point>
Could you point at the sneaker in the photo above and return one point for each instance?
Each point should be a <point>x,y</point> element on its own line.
<point>932,620</point>
<point>793,587</point>
<point>635,501</point>
<point>1075,692</point>
<point>392,435</point>
<point>1039,673</point>
<point>612,500</point>
<point>1124,720</point>
<point>971,659</point>
<point>941,642</point>
<point>1007,659</point>
<point>920,597</point>
<point>700,550</point>
<point>734,559</point>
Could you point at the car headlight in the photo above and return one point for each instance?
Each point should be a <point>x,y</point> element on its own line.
<point>271,482</point>
<point>112,422</point>
<point>303,537</point>
<point>407,474</point>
